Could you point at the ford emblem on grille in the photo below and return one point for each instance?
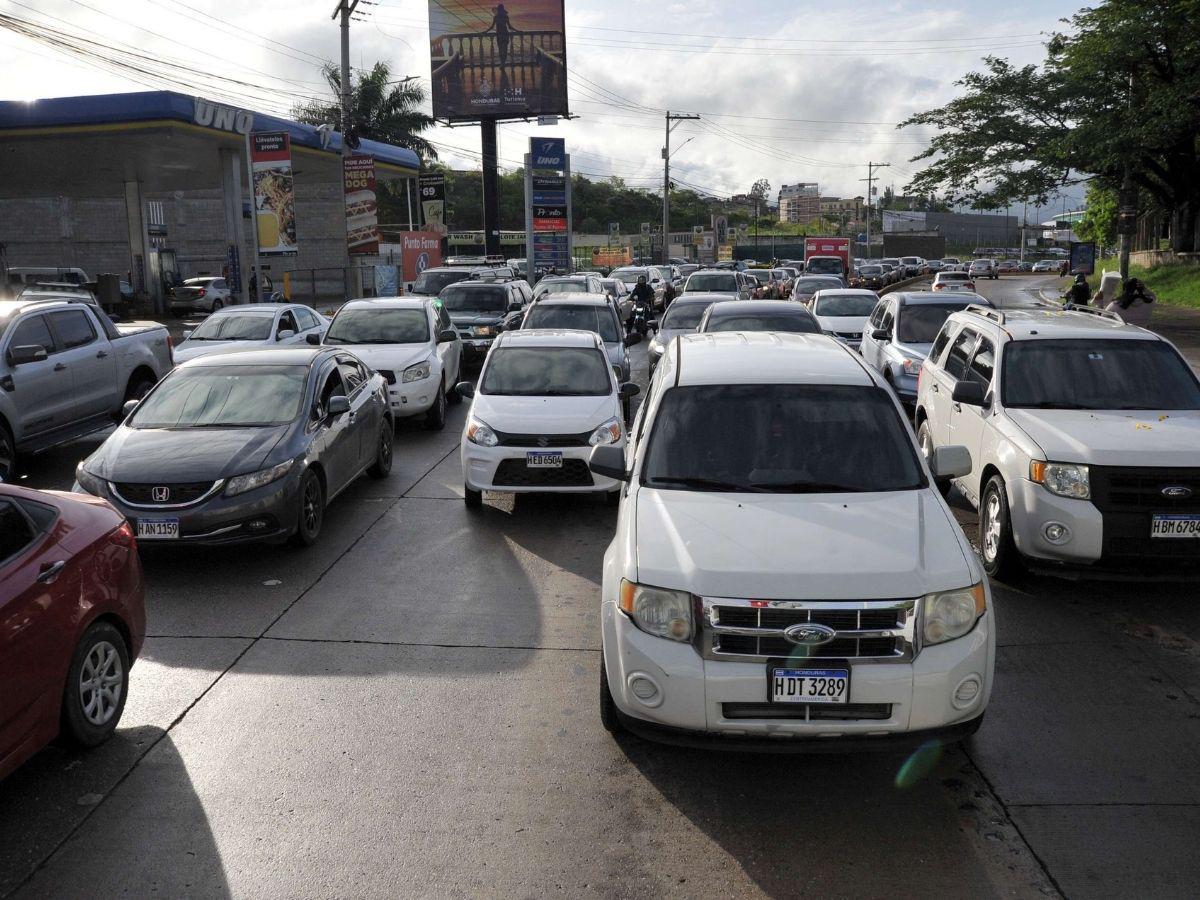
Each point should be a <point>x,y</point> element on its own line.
<point>809,634</point>
<point>160,494</point>
<point>1177,492</point>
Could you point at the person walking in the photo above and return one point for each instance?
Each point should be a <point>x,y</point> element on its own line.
<point>1133,304</point>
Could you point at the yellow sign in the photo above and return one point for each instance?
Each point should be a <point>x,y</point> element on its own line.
<point>725,252</point>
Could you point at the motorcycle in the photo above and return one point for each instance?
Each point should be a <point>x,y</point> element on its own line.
<point>639,321</point>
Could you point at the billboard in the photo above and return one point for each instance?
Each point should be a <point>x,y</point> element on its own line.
<point>507,61</point>
<point>419,250</point>
<point>274,193</point>
<point>362,215</point>
<point>1083,257</point>
<point>432,189</point>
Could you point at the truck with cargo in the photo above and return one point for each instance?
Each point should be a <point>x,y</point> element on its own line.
<point>827,256</point>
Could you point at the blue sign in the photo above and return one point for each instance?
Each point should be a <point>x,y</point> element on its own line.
<point>548,153</point>
<point>550,198</point>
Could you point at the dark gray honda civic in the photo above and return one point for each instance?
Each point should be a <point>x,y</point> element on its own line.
<point>244,446</point>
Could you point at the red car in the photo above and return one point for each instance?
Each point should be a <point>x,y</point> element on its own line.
<point>72,620</point>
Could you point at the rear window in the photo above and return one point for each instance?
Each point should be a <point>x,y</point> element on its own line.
<point>683,315</point>
<point>721,283</point>
<point>598,319</point>
<point>798,322</point>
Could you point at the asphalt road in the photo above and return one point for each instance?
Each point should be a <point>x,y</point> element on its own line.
<point>409,709</point>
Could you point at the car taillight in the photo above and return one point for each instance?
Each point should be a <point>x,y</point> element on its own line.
<point>123,535</point>
<point>203,292</point>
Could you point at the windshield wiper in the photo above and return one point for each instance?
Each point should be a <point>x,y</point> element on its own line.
<point>807,487</point>
<point>705,483</point>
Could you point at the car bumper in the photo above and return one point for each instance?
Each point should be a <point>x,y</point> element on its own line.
<point>415,397</point>
<point>1032,508</point>
<point>267,514</point>
<point>183,307</point>
<point>482,471</point>
<point>690,706</point>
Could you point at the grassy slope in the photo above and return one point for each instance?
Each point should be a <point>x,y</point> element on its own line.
<point>1173,285</point>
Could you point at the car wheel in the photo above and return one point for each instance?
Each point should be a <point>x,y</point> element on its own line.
<point>1001,559</point>
<point>8,455</point>
<point>435,419</point>
<point>311,514</point>
<point>925,439</point>
<point>608,707</point>
<point>382,466</point>
<point>138,388</point>
<point>216,304</point>
<point>97,683</point>
<point>453,397</point>
<point>473,499</point>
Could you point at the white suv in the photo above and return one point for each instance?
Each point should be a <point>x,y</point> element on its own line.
<point>1085,437</point>
<point>545,398</point>
<point>784,573</point>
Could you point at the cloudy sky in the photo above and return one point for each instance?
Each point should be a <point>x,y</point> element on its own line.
<point>789,92</point>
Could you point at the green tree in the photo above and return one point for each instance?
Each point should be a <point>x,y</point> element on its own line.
<point>1099,222</point>
<point>381,109</point>
<point>761,189</point>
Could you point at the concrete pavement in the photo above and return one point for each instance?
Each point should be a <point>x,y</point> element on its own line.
<point>409,708</point>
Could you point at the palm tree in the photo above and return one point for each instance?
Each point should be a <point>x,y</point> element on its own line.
<point>380,109</point>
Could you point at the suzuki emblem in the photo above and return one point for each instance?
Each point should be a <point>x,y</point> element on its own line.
<point>543,442</point>
<point>809,634</point>
<point>1177,492</point>
<point>160,494</point>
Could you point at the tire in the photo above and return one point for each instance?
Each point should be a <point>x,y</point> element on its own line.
<point>473,499</point>
<point>1001,558</point>
<point>453,397</point>
<point>925,439</point>
<point>216,304</point>
<point>138,388</point>
<point>435,419</point>
<point>97,685</point>
<point>382,467</point>
<point>310,514</point>
<point>8,455</point>
<point>608,707</point>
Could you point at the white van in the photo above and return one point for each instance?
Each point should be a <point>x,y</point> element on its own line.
<point>19,276</point>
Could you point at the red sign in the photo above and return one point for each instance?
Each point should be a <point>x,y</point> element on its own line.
<point>549,224</point>
<point>362,216</point>
<point>419,250</point>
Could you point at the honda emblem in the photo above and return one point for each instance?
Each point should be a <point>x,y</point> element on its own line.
<point>160,494</point>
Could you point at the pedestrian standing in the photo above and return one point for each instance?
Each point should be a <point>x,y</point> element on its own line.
<point>1134,303</point>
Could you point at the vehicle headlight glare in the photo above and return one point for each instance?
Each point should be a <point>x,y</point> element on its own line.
<point>239,484</point>
<point>88,481</point>
<point>664,613</point>
<point>1063,479</point>
<point>951,614</point>
<point>416,373</point>
<point>608,433</point>
<point>481,433</point>
<point>483,331</point>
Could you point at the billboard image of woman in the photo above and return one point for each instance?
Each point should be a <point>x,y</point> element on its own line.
<point>503,61</point>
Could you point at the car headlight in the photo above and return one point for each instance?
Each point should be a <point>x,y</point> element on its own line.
<point>239,484</point>
<point>481,433</point>
<point>657,611</point>
<point>608,433</point>
<point>483,330</point>
<point>88,481</point>
<point>415,373</point>
<point>947,615</point>
<point>910,366</point>
<point>1063,479</point>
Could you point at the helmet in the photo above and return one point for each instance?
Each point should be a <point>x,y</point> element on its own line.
<point>1080,279</point>
<point>641,279</point>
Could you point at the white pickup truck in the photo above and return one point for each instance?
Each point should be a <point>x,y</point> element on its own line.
<point>66,370</point>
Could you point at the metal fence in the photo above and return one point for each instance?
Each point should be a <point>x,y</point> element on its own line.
<point>330,286</point>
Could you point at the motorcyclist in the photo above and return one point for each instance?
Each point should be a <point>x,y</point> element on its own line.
<point>643,298</point>
<point>1079,293</point>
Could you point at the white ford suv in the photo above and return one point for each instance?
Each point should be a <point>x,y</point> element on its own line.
<point>784,573</point>
<point>1085,438</point>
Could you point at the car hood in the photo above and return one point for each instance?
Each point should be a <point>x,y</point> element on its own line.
<point>475,318</point>
<point>191,349</point>
<point>396,357</point>
<point>802,547</point>
<point>543,415</point>
<point>666,335</point>
<point>843,323</point>
<point>913,351</point>
<point>1140,437</point>
<point>144,455</point>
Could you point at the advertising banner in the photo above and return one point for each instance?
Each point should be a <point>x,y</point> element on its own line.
<point>387,281</point>
<point>432,188</point>
<point>362,215</point>
<point>1083,257</point>
<point>507,60</point>
<point>419,250</point>
<point>274,192</point>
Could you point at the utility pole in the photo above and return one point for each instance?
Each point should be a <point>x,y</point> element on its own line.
<point>1126,208</point>
<point>871,167</point>
<point>344,9</point>
<point>672,121</point>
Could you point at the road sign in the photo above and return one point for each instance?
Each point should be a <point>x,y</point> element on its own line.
<point>547,153</point>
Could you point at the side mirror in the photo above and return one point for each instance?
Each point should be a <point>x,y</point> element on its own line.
<point>127,408</point>
<point>652,324</point>
<point>339,404</point>
<point>608,461</point>
<point>447,335</point>
<point>629,389</point>
<point>633,338</point>
<point>881,334</point>
<point>26,353</point>
<point>465,389</point>
<point>185,336</point>
<point>514,306</point>
<point>285,334</point>
<point>951,462</point>
<point>968,392</point>
<point>314,339</point>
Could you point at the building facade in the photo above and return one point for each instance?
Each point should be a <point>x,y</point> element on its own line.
<point>799,203</point>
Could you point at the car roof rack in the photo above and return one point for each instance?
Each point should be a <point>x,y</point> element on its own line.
<point>1094,311</point>
<point>987,312</point>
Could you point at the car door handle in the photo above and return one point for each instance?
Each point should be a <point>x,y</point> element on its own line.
<point>958,407</point>
<point>51,572</point>
<point>101,354</point>
<point>60,367</point>
<point>934,388</point>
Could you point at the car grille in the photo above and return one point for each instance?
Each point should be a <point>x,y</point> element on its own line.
<point>1142,488</point>
<point>807,712</point>
<point>543,440</point>
<point>1128,498</point>
<point>750,629</point>
<point>514,473</point>
<point>177,494</point>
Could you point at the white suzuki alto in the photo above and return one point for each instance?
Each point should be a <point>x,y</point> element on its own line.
<point>785,575</point>
<point>545,398</point>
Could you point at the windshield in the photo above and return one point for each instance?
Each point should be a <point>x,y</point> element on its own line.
<point>797,323</point>
<point>379,326</point>
<point>630,276</point>
<point>790,438</point>
<point>870,270</point>
<point>822,264</point>
<point>430,284</point>
<point>234,327</point>
<point>575,315</point>
<point>1077,374</point>
<point>474,298</point>
<point>726,283</point>
<point>683,315</point>
<point>920,323</point>
<point>546,372</point>
<point>232,396</point>
<point>845,305</point>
